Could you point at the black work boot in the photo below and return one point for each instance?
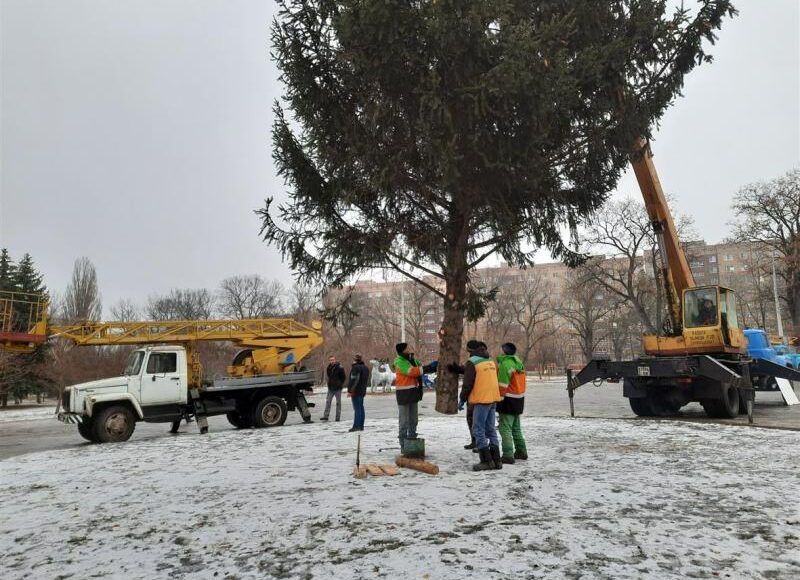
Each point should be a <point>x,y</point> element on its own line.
<point>494,452</point>
<point>486,460</point>
<point>508,460</point>
<point>471,444</point>
<point>520,455</point>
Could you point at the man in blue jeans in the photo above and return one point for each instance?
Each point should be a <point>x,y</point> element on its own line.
<point>357,390</point>
<point>482,390</point>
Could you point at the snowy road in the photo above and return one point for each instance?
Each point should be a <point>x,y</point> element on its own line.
<point>599,498</point>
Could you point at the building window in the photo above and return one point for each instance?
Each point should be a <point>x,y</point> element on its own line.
<point>727,258</point>
<point>713,269</point>
<point>731,268</point>
<point>712,259</point>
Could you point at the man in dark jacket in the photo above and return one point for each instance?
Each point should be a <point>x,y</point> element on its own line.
<point>336,378</point>
<point>482,390</point>
<point>357,390</point>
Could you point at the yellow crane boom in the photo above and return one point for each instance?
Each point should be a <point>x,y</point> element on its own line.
<point>271,345</point>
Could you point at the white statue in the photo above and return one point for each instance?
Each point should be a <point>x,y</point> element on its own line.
<point>381,377</point>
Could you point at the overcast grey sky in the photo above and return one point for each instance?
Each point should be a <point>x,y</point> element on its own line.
<point>137,133</point>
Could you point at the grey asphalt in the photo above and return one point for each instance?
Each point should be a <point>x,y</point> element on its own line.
<point>544,399</point>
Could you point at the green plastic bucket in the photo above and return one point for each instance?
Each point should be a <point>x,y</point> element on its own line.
<point>413,448</point>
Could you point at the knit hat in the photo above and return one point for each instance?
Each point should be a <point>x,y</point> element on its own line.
<point>357,358</point>
<point>509,348</point>
<point>473,345</point>
<point>401,347</point>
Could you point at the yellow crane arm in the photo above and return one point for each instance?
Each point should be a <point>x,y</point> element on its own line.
<point>675,269</point>
<point>276,332</point>
<point>272,345</point>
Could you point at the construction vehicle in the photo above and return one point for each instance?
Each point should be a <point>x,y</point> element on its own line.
<point>163,380</point>
<point>761,347</point>
<point>701,354</point>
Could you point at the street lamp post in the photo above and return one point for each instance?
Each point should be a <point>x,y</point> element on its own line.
<point>777,302</point>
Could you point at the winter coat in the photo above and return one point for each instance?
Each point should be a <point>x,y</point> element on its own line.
<point>511,375</point>
<point>336,377</point>
<point>480,386</point>
<point>408,379</point>
<point>359,379</point>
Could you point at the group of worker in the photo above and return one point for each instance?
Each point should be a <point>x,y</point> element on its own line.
<point>493,387</point>
<point>490,387</point>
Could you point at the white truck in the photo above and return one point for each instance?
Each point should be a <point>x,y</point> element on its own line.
<point>155,388</point>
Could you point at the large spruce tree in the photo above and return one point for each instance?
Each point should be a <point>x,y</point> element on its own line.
<point>426,136</point>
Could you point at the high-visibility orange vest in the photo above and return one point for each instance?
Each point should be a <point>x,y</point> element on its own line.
<point>406,373</point>
<point>516,386</point>
<point>486,389</point>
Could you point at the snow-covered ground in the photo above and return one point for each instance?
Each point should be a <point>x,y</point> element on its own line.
<point>598,498</point>
<point>28,414</point>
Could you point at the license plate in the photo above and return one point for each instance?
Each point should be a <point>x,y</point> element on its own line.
<point>643,371</point>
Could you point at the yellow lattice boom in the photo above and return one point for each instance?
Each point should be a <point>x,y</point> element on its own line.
<point>271,345</point>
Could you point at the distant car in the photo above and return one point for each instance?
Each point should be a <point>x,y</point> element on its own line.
<point>759,347</point>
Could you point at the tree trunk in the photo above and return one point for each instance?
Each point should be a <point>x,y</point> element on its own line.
<point>588,343</point>
<point>450,338</point>
<point>794,301</point>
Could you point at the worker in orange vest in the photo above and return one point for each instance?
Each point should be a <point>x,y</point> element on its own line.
<point>482,390</point>
<point>511,374</point>
<point>408,390</point>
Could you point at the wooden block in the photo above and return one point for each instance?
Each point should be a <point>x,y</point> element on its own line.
<point>417,464</point>
<point>390,469</point>
<point>373,469</point>
<point>360,472</point>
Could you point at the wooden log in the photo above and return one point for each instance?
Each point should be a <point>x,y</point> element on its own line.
<point>417,464</point>
<point>375,470</point>
<point>389,470</point>
<point>360,472</point>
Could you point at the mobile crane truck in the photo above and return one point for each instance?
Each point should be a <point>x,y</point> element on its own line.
<point>163,379</point>
<point>702,354</point>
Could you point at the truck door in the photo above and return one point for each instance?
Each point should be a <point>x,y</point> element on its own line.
<point>161,381</point>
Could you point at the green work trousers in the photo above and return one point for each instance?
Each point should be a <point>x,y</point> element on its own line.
<point>511,434</point>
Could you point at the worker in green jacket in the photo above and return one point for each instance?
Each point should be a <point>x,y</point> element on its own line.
<point>511,376</point>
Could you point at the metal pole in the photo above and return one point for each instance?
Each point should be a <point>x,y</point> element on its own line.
<point>402,311</point>
<point>777,303</point>
<point>571,393</point>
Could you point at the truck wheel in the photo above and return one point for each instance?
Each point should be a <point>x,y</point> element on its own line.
<point>270,412</point>
<point>726,407</point>
<point>239,420</point>
<point>114,424</point>
<point>86,429</point>
<point>641,406</point>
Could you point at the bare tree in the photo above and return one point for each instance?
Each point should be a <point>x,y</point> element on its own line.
<point>533,312</point>
<point>304,303</point>
<point>499,318</point>
<point>125,310</point>
<point>81,300</point>
<point>622,233</point>
<point>250,297</point>
<point>769,213</point>
<point>584,307</point>
<point>181,304</point>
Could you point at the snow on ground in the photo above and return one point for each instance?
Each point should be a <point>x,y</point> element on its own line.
<point>597,499</point>
<point>28,414</point>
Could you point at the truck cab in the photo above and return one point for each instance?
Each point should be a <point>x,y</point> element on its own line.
<point>153,388</point>
<point>759,348</point>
